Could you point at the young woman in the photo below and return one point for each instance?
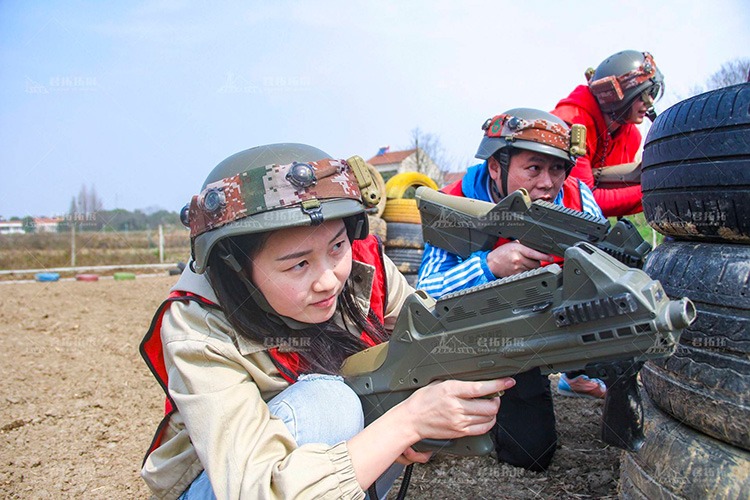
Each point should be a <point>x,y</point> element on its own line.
<point>284,284</point>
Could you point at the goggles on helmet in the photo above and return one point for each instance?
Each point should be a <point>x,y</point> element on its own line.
<point>513,128</point>
<point>273,187</point>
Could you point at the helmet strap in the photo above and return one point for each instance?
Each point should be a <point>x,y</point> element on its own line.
<point>256,294</point>
<point>503,158</point>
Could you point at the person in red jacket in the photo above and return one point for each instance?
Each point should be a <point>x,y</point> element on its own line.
<point>619,95</point>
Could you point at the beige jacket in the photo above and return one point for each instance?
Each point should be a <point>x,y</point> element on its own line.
<point>220,383</point>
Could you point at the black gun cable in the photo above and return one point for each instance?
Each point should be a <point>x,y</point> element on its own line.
<point>405,482</point>
<point>372,491</point>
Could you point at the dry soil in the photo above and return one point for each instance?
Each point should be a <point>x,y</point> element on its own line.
<point>78,406</point>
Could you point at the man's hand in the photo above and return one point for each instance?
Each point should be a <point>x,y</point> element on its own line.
<point>513,258</point>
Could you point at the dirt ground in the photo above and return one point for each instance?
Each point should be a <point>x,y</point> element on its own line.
<point>78,406</point>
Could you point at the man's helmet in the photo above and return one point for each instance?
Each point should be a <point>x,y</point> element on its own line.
<point>533,130</point>
<point>622,78</point>
<point>276,186</point>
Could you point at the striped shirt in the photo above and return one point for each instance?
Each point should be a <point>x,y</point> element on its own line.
<point>442,272</point>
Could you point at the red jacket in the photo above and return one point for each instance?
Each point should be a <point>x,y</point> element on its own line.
<point>602,149</point>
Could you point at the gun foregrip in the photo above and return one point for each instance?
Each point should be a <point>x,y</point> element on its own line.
<point>466,446</point>
<point>622,415</point>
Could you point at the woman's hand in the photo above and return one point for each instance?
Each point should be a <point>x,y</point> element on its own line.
<point>441,410</point>
<point>453,409</point>
<point>409,456</point>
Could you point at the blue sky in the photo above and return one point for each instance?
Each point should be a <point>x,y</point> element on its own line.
<point>142,99</point>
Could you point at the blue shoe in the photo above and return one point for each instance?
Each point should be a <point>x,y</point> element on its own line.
<point>581,386</point>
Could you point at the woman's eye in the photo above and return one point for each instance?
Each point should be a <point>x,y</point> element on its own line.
<point>299,265</point>
<point>338,245</point>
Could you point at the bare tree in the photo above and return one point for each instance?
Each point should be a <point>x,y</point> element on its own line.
<point>85,208</point>
<point>430,145</point>
<point>88,202</point>
<point>730,73</point>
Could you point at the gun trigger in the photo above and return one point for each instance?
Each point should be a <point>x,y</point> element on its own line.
<point>406,338</point>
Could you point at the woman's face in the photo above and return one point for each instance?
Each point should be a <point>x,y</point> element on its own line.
<point>302,270</point>
<point>638,109</point>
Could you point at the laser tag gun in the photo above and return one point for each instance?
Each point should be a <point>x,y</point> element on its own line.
<point>595,314</point>
<point>463,226</point>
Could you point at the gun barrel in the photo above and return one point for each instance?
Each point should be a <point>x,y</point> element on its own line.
<point>467,206</point>
<point>681,313</point>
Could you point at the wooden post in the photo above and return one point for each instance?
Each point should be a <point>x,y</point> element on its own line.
<point>73,245</point>
<point>161,244</point>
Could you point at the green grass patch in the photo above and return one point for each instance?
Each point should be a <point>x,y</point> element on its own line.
<point>646,231</point>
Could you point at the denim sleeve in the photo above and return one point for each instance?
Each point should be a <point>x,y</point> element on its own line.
<point>442,272</point>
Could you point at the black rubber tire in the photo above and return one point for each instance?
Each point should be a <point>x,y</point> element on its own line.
<point>403,235</point>
<point>411,279</point>
<point>175,271</point>
<point>716,277</point>
<point>696,167</point>
<point>678,462</point>
<point>407,260</point>
<point>705,390</point>
<point>706,383</point>
<point>378,227</point>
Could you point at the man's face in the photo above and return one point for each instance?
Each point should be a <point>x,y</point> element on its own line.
<point>540,174</point>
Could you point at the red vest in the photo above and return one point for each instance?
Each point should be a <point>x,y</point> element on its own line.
<point>367,251</point>
<point>571,190</point>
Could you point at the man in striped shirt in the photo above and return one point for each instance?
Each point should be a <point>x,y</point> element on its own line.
<point>529,149</point>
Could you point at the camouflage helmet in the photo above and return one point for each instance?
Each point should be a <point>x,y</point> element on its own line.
<point>533,130</point>
<point>623,77</point>
<point>272,187</point>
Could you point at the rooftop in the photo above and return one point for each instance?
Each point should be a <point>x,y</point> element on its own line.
<point>391,157</point>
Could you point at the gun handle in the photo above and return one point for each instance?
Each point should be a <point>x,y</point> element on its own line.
<point>622,416</point>
<point>466,446</point>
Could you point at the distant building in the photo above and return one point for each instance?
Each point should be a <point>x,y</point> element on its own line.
<point>389,163</point>
<point>11,227</point>
<point>47,224</point>
<point>42,225</point>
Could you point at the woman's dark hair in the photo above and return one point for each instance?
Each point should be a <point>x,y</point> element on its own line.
<point>323,347</point>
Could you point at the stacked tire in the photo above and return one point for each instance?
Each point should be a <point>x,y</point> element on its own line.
<point>404,244</point>
<point>696,183</point>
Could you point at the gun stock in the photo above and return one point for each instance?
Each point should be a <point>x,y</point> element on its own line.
<point>595,310</point>
<point>464,226</point>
